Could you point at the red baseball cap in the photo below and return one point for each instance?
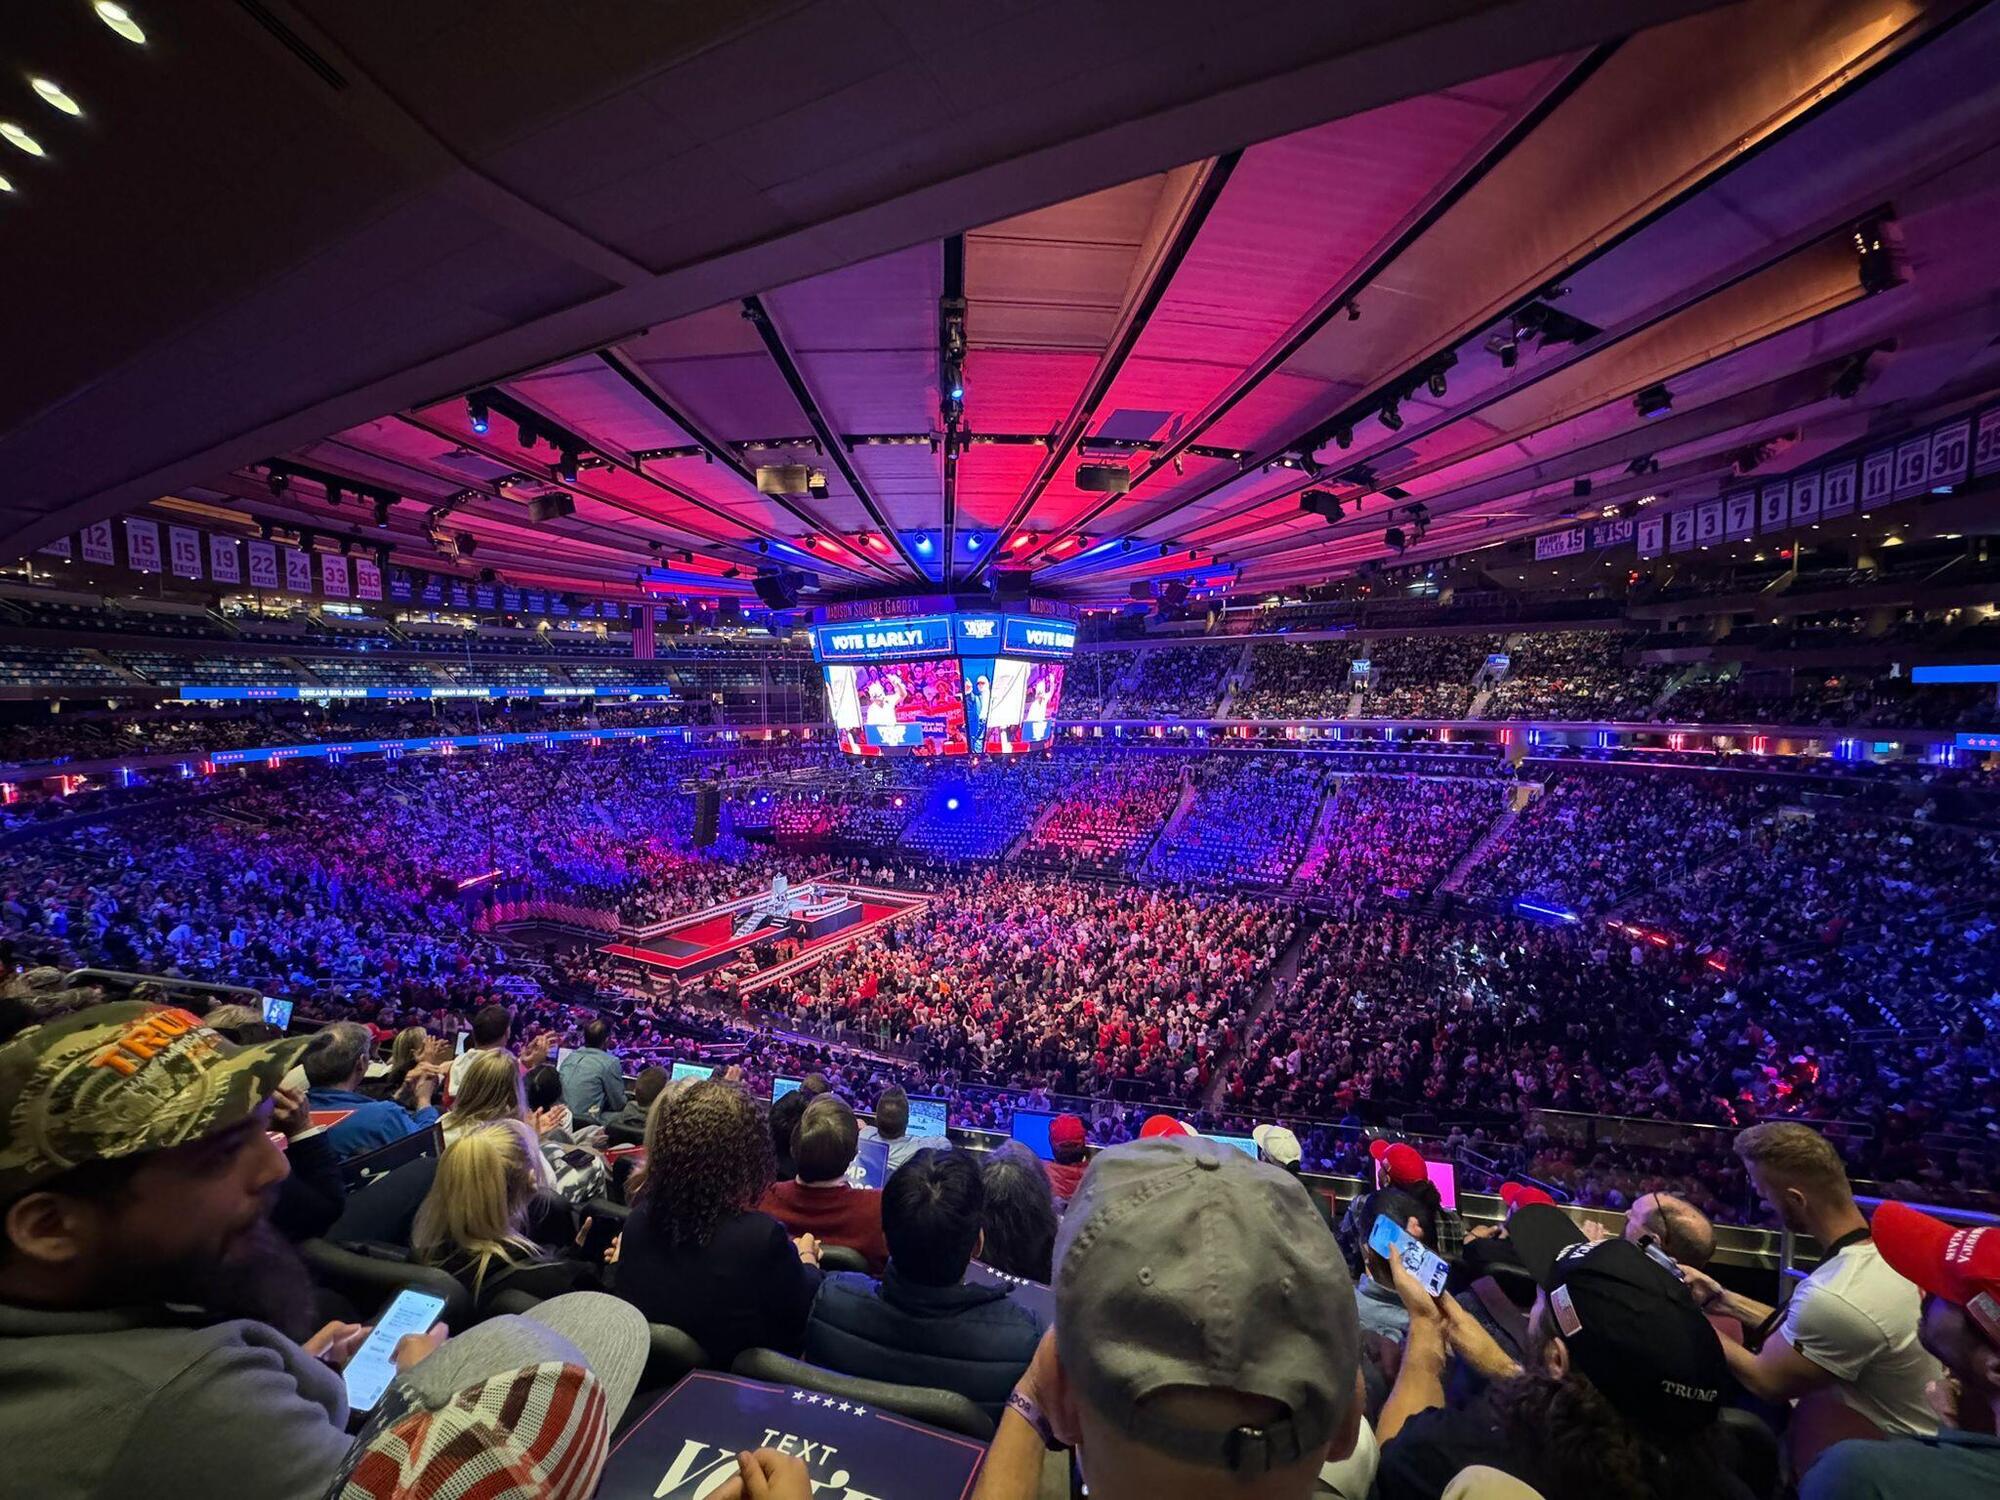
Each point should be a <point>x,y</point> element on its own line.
<point>1515,1194</point>
<point>1066,1130</point>
<point>1378,1148</point>
<point>1961,1265</point>
<point>1405,1165</point>
<point>1162,1125</point>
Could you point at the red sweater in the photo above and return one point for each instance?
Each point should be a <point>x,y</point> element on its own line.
<point>838,1215</point>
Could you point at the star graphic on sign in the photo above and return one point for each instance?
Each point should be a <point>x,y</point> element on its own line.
<point>845,1407</point>
<point>860,1411</point>
<point>798,1395</point>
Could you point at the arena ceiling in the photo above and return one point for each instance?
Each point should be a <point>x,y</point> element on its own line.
<point>1429,254</point>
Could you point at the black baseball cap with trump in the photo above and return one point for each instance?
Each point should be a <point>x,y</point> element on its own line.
<point>119,1080</point>
<point>1629,1322</point>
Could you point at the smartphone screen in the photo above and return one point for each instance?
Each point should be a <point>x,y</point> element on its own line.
<point>371,1369</point>
<point>458,1047</point>
<point>1391,1241</point>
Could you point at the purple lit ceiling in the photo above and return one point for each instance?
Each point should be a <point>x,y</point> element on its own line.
<point>1675,207</point>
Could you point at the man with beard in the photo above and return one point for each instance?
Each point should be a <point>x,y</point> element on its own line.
<point>149,1315</point>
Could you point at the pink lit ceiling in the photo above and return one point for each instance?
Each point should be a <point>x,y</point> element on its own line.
<point>1670,208</point>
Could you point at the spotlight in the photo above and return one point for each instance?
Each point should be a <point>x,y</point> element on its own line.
<point>686,556</point>
<point>951,804</point>
<point>476,409</point>
<point>1653,401</point>
<point>119,19</point>
<point>382,504</point>
<point>972,544</point>
<point>958,393</point>
<point>1506,346</point>
<point>334,492</point>
<point>763,549</point>
<point>566,466</point>
<point>278,480</point>
<point>1344,436</point>
<point>1436,383</point>
<point>1391,417</point>
<point>924,544</point>
<point>527,433</point>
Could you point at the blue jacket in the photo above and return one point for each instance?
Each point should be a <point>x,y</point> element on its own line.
<point>969,1339</point>
<point>373,1124</point>
<point>591,1083</point>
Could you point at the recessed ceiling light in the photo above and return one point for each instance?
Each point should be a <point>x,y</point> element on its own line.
<point>19,137</point>
<point>6,186</point>
<point>52,91</point>
<point>119,19</point>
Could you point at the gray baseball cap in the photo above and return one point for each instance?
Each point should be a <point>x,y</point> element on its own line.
<point>1184,1263</point>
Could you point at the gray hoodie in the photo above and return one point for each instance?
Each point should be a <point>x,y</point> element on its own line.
<point>165,1404</point>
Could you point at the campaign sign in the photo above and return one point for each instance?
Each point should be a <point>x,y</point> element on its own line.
<point>685,1448</point>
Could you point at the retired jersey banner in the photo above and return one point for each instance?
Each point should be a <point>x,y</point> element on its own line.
<point>95,541</point>
<point>1739,515</point>
<point>1652,535</point>
<point>333,575</point>
<point>1837,487</point>
<point>225,565</point>
<point>685,1447</point>
<point>263,565</point>
<point>1805,499</point>
<point>58,548</point>
<point>367,578</point>
<point>1878,479</point>
<point>1559,544</point>
<point>1680,530</point>
<point>298,571</point>
<point>184,550</point>
<point>1708,523</point>
<point>142,544</point>
<point>1602,534</point>
<point>1774,508</point>
<point>1913,467</point>
<point>1986,443</point>
<point>1951,453</point>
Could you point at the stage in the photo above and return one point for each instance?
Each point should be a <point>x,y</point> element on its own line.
<point>688,947</point>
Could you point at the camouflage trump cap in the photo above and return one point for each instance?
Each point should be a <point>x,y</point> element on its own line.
<point>117,1080</point>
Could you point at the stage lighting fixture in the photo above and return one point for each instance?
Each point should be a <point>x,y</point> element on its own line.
<point>566,466</point>
<point>1853,375</point>
<point>551,507</point>
<point>924,545</point>
<point>263,531</point>
<point>972,544</point>
<point>476,409</point>
<point>816,483</point>
<point>278,480</point>
<point>1436,383</point>
<point>528,433</point>
<point>466,543</point>
<point>1393,538</point>
<point>1653,401</point>
<point>1343,437</point>
<point>333,493</point>
<point>763,548</point>
<point>951,804</point>
<point>382,505</point>
<point>1645,463</point>
<point>1580,488</point>
<point>1391,417</point>
<point>1353,311</point>
<point>1871,249</point>
<point>1323,503</point>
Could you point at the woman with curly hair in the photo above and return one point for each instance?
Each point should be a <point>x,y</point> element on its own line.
<point>696,1253</point>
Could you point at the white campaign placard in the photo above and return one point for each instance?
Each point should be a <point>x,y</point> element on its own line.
<point>96,540</point>
<point>298,571</point>
<point>1836,489</point>
<point>184,550</point>
<point>263,565</point>
<point>1652,535</point>
<point>367,579</point>
<point>1805,499</point>
<point>225,563</point>
<point>1951,453</point>
<point>1878,479</point>
<point>1739,515</point>
<point>142,544</point>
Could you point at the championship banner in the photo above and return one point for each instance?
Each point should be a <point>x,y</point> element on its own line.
<point>333,575</point>
<point>224,563</point>
<point>1708,523</point>
<point>1951,453</point>
<point>538,604</point>
<point>1878,479</point>
<point>1913,467</point>
<point>142,544</point>
<point>1805,499</point>
<point>367,578</point>
<point>686,1446</point>
<point>559,604</point>
<point>433,590</point>
<point>298,571</point>
<point>1680,530</point>
<point>184,550</point>
<point>1986,444</point>
<point>1774,508</point>
<point>263,565</point>
<point>1739,515</point>
<point>1652,535</point>
<point>461,596</point>
<point>95,541</point>
<point>58,548</point>
<point>1837,487</point>
<point>510,599</point>
<point>482,597</point>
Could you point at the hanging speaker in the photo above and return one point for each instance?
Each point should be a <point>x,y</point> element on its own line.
<point>707,815</point>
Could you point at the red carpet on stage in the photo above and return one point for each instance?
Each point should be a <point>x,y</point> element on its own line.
<point>702,942</point>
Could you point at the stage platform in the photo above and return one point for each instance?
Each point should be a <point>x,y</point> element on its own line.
<point>688,947</point>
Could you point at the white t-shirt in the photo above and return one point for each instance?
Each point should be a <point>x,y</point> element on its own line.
<point>1857,1320</point>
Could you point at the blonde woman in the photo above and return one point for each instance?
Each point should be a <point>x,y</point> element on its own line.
<point>489,1216</point>
<point>492,1090</point>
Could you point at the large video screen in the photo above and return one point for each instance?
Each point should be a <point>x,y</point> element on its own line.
<point>905,707</point>
<point>1010,705</point>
